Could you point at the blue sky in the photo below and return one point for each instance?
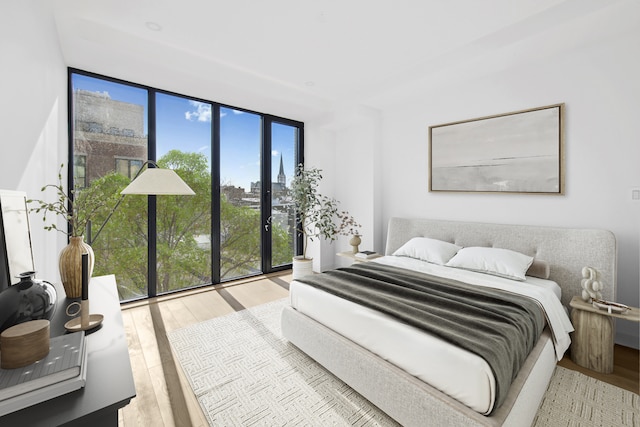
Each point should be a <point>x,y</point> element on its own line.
<point>185,125</point>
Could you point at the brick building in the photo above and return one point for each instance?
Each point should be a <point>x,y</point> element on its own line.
<point>108,135</point>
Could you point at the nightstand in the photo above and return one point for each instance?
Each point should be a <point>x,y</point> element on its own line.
<point>592,341</point>
<point>352,256</point>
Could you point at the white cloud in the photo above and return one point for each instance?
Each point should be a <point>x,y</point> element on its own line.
<point>274,153</point>
<point>202,112</point>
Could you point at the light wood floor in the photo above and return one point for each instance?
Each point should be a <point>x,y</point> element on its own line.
<point>164,397</point>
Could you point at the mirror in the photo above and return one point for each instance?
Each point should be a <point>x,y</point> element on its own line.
<point>16,255</point>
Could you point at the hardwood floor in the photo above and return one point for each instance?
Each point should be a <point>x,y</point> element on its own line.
<point>626,369</point>
<point>164,397</point>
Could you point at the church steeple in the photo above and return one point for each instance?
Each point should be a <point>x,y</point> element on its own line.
<point>282,178</point>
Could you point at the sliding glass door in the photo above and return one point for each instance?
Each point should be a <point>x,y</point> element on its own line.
<point>238,162</point>
<point>284,140</point>
<point>240,193</point>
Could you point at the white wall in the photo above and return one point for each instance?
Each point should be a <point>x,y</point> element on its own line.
<point>593,67</point>
<point>350,175</point>
<point>33,115</point>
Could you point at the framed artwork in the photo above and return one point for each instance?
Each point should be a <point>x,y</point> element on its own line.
<point>518,152</point>
<point>16,254</point>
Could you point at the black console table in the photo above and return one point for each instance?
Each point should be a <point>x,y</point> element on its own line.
<point>109,385</point>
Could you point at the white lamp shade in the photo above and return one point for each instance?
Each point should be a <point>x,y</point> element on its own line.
<point>156,181</point>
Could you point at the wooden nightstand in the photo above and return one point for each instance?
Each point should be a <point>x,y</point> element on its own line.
<point>592,342</point>
<point>352,256</point>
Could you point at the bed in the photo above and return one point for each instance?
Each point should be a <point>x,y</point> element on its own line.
<point>349,339</point>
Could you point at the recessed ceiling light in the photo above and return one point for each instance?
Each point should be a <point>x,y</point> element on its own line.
<point>153,26</point>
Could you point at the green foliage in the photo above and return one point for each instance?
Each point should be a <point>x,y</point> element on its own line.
<point>239,240</point>
<point>318,215</point>
<point>281,245</point>
<point>122,246</point>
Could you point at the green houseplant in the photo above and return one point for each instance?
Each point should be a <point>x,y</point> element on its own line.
<point>318,215</point>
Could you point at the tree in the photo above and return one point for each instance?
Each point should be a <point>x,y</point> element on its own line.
<point>183,230</point>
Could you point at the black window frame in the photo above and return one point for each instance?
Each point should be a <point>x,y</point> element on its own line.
<point>267,121</point>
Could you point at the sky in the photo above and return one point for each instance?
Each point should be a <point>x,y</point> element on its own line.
<point>185,124</point>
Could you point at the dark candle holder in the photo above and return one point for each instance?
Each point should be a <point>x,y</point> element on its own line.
<point>86,320</point>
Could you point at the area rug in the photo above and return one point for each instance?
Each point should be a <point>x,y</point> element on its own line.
<point>244,373</point>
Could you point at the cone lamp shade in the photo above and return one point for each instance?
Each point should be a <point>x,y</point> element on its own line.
<point>156,181</point>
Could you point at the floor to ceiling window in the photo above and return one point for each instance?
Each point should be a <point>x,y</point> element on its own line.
<point>284,142</point>
<point>183,223</point>
<point>109,143</point>
<point>235,225</point>
<point>240,193</point>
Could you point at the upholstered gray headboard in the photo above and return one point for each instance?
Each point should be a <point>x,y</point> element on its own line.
<point>567,250</point>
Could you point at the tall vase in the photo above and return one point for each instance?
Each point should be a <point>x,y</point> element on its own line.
<point>70,265</point>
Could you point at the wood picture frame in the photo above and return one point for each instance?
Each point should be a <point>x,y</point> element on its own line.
<point>519,152</point>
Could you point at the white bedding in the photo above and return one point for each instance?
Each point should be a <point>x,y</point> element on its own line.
<point>456,372</point>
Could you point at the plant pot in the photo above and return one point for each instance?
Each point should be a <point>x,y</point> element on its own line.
<point>70,265</point>
<point>302,267</point>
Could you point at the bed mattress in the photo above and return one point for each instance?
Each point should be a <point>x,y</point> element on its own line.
<point>458,373</point>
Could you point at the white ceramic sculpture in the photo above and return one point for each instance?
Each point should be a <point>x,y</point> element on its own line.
<point>591,286</point>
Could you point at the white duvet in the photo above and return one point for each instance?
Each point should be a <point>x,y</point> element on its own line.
<point>462,375</point>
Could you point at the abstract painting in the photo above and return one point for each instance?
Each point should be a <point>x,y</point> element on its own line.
<point>518,152</point>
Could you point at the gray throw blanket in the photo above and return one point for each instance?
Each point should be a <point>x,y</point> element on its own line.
<point>499,326</point>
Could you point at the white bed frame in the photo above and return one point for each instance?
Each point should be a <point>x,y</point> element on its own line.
<point>412,402</point>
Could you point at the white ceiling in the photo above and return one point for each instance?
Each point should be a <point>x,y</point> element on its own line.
<point>327,52</point>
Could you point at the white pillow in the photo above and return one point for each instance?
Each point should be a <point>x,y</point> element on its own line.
<point>430,250</point>
<point>496,261</point>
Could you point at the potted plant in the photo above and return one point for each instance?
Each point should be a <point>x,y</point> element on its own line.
<point>317,215</point>
<point>77,207</point>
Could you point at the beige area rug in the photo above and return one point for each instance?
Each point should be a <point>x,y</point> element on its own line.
<point>244,373</point>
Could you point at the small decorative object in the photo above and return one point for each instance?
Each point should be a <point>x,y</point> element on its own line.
<point>591,286</point>
<point>355,242</point>
<point>611,307</point>
<point>24,344</point>
<point>27,300</point>
<point>86,320</point>
<point>367,255</point>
